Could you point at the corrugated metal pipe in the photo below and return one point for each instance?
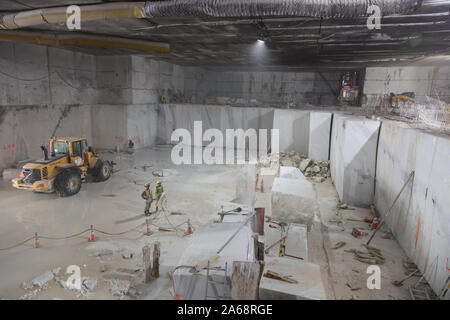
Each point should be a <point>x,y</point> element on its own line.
<point>261,8</point>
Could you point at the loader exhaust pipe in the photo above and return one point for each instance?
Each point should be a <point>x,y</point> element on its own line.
<point>45,151</point>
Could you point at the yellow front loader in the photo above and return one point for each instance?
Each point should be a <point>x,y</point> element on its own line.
<point>69,163</point>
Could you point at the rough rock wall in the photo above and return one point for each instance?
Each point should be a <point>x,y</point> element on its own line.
<point>268,89</point>
<point>24,129</point>
<point>45,91</point>
<point>423,81</point>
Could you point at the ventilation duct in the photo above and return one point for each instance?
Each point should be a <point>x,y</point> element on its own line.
<point>261,8</point>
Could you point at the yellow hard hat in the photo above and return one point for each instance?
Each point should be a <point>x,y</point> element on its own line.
<point>158,182</point>
<point>147,185</point>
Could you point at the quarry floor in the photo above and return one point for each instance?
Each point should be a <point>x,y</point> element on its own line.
<point>195,192</point>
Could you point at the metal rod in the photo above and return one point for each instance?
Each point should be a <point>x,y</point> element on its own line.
<point>237,231</point>
<point>389,211</point>
<point>206,288</point>
<point>274,244</point>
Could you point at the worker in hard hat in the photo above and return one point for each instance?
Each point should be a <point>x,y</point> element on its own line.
<point>159,190</point>
<point>148,197</point>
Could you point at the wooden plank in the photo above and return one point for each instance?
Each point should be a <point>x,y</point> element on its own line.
<point>147,265</point>
<point>204,263</point>
<point>278,276</point>
<point>245,279</point>
<point>156,253</point>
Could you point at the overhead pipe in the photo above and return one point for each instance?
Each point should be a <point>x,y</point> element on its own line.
<point>264,8</point>
<point>75,39</point>
<point>107,11</point>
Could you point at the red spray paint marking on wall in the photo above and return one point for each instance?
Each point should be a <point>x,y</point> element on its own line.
<point>136,139</point>
<point>446,265</point>
<point>119,139</point>
<point>9,148</point>
<point>417,233</point>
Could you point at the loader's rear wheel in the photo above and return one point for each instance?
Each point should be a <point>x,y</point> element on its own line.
<point>103,171</point>
<point>68,183</point>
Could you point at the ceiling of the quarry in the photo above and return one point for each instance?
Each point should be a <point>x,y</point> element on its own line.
<point>293,42</point>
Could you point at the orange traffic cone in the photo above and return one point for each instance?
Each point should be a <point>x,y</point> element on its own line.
<point>37,244</point>
<point>148,232</point>
<point>189,228</point>
<point>92,237</point>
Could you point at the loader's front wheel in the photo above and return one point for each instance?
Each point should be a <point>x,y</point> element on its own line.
<point>103,171</point>
<point>68,183</point>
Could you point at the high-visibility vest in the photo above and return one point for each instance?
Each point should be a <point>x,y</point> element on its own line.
<point>158,191</point>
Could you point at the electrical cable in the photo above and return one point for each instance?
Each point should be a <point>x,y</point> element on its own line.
<point>73,236</point>
<point>16,245</point>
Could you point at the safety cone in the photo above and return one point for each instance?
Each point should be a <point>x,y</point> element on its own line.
<point>374,223</point>
<point>148,232</point>
<point>92,237</point>
<point>189,228</point>
<point>37,244</point>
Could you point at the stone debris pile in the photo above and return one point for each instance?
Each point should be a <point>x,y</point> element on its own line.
<point>318,171</point>
<point>39,283</point>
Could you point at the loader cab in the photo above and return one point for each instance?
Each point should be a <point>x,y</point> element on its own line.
<point>75,148</point>
<point>60,147</point>
<point>78,148</point>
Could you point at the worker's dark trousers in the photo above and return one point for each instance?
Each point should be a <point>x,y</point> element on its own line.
<point>157,199</point>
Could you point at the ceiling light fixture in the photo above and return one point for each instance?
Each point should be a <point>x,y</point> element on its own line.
<point>262,35</point>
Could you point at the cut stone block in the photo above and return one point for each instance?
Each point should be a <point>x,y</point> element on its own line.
<point>291,173</point>
<point>245,185</point>
<point>319,135</point>
<point>294,130</point>
<point>309,284</point>
<point>203,246</point>
<point>296,241</point>
<point>353,158</point>
<point>293,200</point>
